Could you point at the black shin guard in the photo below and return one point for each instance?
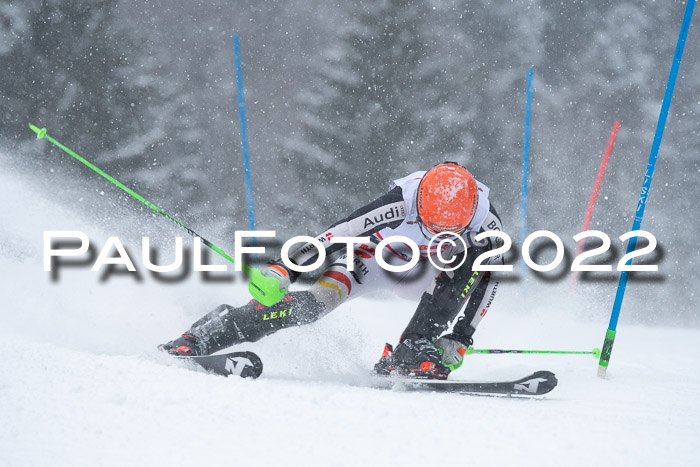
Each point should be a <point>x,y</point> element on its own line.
<point>226,326</point>
<point>435,311</point>
<point>463,330</point>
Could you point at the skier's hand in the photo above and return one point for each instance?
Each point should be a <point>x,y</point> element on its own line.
<point>269,285</point>
<point>452,351</point>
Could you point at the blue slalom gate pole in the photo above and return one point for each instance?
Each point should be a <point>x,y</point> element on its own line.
<point>646,184</point>
<point>244,131</point>
<point>526,161</point>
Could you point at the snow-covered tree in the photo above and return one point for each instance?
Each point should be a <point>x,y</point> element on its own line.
<point>376,108</point>
<point>63,71</point>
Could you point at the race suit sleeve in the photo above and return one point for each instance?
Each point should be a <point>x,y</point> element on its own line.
<point>389,210</point>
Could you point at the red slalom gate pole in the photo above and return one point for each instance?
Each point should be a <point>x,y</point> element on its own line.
<point>594,194</point>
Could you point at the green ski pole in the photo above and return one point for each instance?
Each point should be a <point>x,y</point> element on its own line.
<point>595,352</point>
<point>264,289</point>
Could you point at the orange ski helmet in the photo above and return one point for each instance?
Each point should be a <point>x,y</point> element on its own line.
<point>447,197</point>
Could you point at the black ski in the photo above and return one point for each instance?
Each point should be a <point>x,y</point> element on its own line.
<point>243,364</point>
<point>248,365</point>
<point>536,384</point>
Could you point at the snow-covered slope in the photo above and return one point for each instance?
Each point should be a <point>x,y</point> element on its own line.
<point>82,384</point>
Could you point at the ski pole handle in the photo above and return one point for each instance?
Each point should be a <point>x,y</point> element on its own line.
<point>263,288</point>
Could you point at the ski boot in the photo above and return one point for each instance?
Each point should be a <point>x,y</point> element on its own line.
<point>415,357</point>
<point>184,346</point>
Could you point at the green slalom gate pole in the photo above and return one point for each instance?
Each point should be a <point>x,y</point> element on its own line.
<point>262,289</point>
<point>595,352</point>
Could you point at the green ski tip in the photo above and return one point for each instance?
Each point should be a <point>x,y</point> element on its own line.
<point>40,132</point>
<point>596,352</point>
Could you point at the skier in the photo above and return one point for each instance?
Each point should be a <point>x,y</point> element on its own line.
<point>446,198</point>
